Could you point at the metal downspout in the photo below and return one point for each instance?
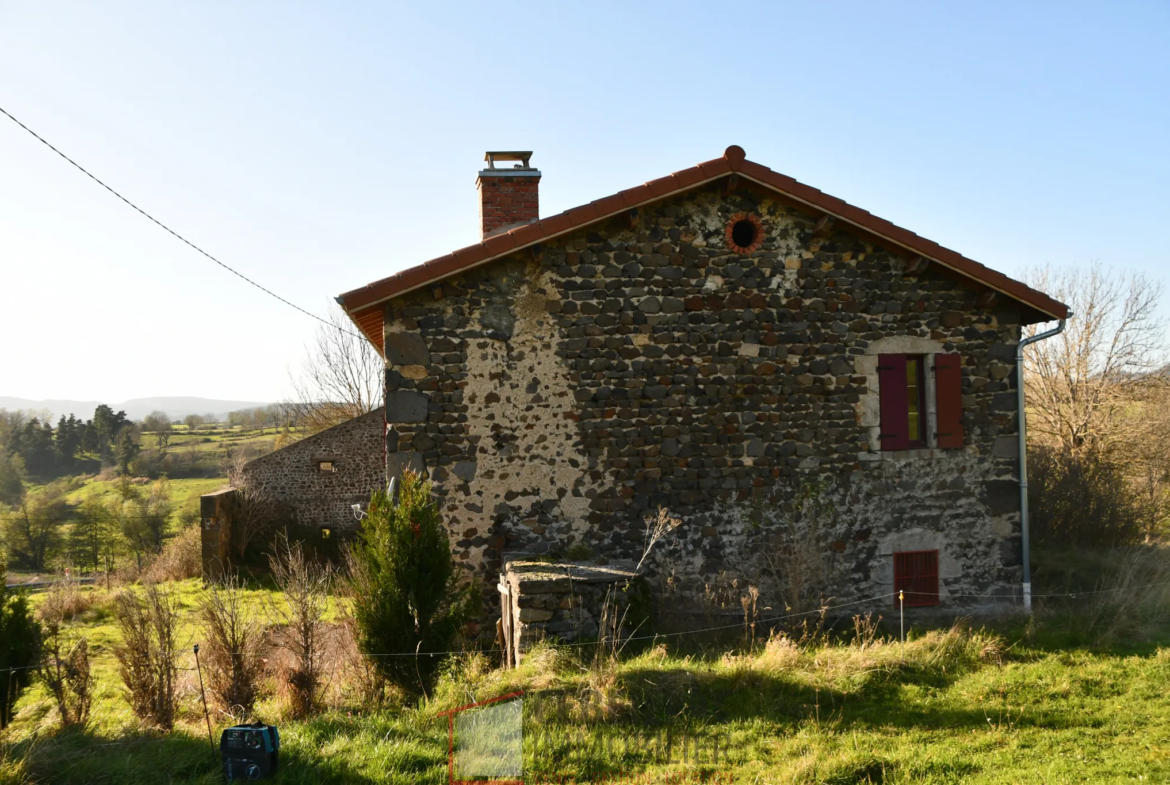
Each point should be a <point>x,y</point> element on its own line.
<point>1024,457</point>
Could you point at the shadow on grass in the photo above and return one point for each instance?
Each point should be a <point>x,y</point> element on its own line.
<point>74,756</point>
<point>664,697</point>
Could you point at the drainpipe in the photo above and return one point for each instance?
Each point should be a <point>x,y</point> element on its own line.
<point>1024,457</point>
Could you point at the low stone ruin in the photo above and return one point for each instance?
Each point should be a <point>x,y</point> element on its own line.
<point>563,601</point>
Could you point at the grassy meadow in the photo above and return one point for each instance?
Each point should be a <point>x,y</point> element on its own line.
<point>1072,695</point>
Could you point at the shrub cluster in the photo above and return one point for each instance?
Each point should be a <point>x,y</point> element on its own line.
<point>148,656</point>
<point>1081,499</point>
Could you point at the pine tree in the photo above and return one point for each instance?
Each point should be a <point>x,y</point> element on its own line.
<point>126,451</point>
<point>11,480</point>
<point>405,599</point>
<point>68,438</point>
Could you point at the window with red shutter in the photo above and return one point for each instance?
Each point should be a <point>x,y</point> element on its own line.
<point>948,386</point>
<point>893,396</point>
<point>916,574</point>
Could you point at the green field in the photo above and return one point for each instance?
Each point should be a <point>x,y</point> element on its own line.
<point>1065,698</point>
<point>193,463</point>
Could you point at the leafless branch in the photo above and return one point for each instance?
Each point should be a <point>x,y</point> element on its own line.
<point>1080,383</point>
<point>340,378</point>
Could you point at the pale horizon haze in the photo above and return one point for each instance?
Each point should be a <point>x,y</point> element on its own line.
<point>318,147</point>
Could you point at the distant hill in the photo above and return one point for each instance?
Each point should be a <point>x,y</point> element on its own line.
<point>176,407</point>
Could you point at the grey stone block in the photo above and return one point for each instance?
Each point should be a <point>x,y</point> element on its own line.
<point>465,470</point>
<point>407,349</point>
<point>398,462</point>
<point>1006,447</point>
<point>406,406</point>
<point>1002,496</point>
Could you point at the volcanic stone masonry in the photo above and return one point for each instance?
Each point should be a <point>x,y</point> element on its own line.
<point>319,478</point>
<point>559,395</point>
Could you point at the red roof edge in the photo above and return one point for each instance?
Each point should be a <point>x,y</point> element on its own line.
<point>733,160</point>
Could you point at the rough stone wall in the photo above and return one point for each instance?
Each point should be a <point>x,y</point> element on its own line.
<point>291,477</point>
<point>558,396</point>
<point>215,533</point>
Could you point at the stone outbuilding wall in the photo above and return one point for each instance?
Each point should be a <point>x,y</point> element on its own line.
<point>215,533</point>
<point>319,478</point>
<point>557,397</point>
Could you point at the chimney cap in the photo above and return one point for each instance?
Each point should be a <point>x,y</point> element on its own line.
<point>491,156</point>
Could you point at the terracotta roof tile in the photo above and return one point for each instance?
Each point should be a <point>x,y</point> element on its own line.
<point>529,233</point>
<point>555,224</point>
<point>579,216</point>
<point>663,186</point>
<point>610,205</point>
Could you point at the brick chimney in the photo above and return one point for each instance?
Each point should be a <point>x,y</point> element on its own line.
<point>507,197</point>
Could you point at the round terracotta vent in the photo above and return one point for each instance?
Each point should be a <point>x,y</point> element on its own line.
<point>745,233</point>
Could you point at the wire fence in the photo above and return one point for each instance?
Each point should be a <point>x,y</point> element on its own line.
<point>818,611</point>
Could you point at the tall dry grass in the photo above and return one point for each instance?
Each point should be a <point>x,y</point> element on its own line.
<point>64,666</point>
<point>1132,596</point>
<point>149,621</point>
<point>180,558</point>
<point>298,611</point>
<point>234,649</point>
<point>870,653</point>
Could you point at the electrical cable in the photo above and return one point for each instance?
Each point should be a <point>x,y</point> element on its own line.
<point>171,231</point>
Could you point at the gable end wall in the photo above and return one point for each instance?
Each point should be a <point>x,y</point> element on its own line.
<point>557,398</point>
<point>290,476</point>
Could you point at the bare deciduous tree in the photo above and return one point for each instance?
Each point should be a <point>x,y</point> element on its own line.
<point>298,612</point>
<point>148,654</point>
<point>341,377</point>
<point>159,425</point>
<point>1080,383</point>
<point>1145,457</point>
<point>234,648</point>
<point>64,665</point>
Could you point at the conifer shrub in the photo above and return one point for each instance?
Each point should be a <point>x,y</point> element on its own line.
<point>20,646</point>
<point>402,579</point>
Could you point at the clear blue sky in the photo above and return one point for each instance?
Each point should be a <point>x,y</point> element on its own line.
<point>319,147</point>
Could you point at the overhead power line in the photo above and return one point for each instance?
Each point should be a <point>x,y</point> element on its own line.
<point>171,231</point>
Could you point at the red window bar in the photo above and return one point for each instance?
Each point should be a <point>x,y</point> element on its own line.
<point>916,574</point>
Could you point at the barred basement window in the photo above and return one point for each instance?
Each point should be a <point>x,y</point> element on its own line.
<point>916,574</point>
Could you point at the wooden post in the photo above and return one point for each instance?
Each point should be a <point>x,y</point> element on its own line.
<point>506,623</point>
<point>206,716</point>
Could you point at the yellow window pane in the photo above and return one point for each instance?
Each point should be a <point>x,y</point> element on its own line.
<point>913,380</point>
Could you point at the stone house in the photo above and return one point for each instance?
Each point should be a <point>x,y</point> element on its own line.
<point>827,400</point>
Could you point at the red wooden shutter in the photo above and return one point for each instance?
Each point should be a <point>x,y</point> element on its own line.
<point>895,407</point>
<point>916,574</point>
<point>948,387</point>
